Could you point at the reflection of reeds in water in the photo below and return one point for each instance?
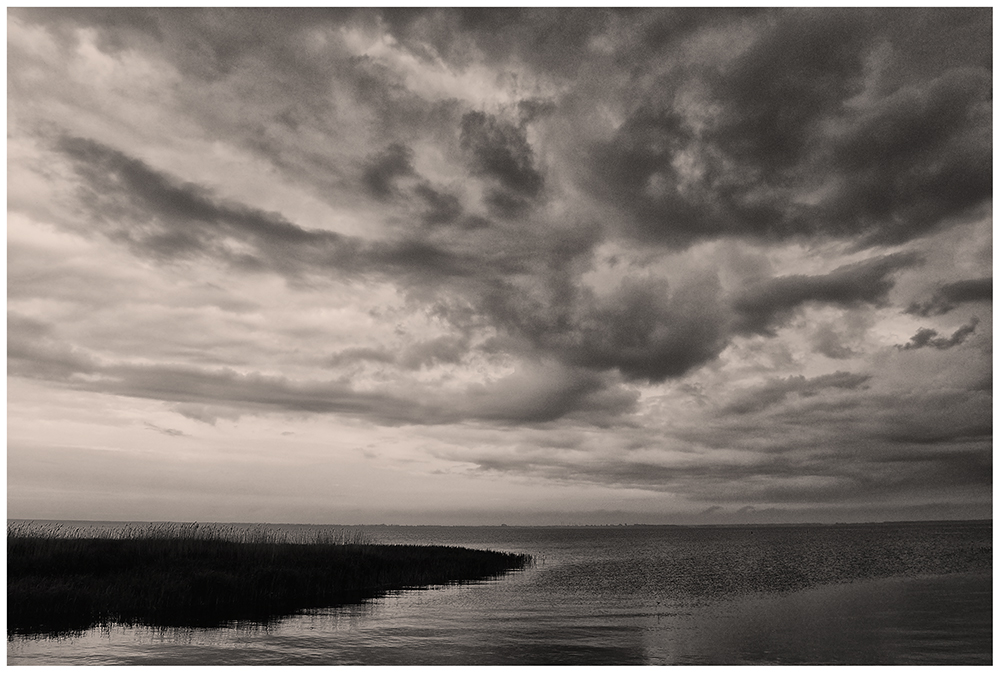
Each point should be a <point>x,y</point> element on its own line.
<point>61,579</point>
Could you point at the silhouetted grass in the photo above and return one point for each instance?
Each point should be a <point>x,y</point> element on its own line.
<point>176,576</point>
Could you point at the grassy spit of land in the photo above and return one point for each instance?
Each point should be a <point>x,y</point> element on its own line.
<point>208,576</point>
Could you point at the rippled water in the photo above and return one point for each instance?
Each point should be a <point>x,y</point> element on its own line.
<point>853,594</point>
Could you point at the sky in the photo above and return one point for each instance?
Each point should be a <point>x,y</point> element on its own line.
<point>570,266</point>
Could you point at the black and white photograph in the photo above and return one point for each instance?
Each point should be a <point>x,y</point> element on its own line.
<point>505,336</point>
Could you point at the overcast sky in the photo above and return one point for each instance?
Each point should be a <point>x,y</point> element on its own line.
<point>517,266</point>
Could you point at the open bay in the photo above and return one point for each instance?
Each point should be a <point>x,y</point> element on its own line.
<point>908,593</point>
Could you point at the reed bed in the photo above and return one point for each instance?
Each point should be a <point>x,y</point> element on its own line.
<point>231,532</point>
<point>195,575</point>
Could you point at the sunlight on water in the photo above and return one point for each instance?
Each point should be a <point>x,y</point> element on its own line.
<point>638,595</point>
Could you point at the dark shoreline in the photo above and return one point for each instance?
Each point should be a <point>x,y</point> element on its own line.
<point>58,584</point>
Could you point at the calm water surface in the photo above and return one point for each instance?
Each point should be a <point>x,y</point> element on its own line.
<point>852,594</point>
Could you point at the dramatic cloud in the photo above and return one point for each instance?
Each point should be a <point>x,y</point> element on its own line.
<point>394,162</point>
<point>676,262</point>
<point>769,303</point>
<point>949,296</point>
<point>803,132</point>
<point>164,218</point>
<point>929,337</point>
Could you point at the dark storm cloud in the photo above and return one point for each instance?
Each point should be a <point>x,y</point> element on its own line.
<point>192,218</point>
<point>949,296</point>
<point>920,156</point>
<point>646,330</point>
<point>650,330</point>
<point>799,136</point>
<point>442,208</point>
<point>394,162</point>
<point>682,184</point>
<point>778,90</point>
<point>500,151</point>
<point>768,304</point>
<point>159,216</point>
<point>546,393</point>
<point>635,172</point>
<point>926,337</point>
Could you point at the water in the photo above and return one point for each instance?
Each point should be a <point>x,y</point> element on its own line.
<point>852,594</point>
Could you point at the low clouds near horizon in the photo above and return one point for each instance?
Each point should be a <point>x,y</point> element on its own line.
<point>524,264</point>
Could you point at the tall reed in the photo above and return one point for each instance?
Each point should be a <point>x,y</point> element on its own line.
<point>59,578</point>
<point>259,533</point>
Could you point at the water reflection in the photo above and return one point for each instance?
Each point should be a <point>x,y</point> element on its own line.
<point>862,595</point>
<point>929,620</point>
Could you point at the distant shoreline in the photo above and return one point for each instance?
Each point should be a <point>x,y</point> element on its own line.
<point>68,522</point>
<point>58,584</point>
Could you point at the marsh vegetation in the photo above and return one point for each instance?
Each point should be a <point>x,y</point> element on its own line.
<point>189,575</point>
